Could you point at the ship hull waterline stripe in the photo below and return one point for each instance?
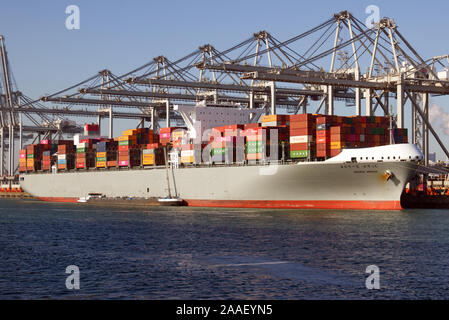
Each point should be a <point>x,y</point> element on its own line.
<point>277,204</point>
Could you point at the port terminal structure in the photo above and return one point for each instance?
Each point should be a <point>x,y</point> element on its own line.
<point>369,70</point>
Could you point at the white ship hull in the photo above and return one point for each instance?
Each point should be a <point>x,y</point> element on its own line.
<point>348,181</point>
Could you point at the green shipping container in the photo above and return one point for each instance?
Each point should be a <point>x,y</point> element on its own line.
<point>299,154</point>
<point>81,150</point>
<point>254,143</point>
<point>217,151</point>
<point>254,149</point>
<point>101,158</point>
<point>124,143</point>
<point>380,131</point>
<point>30,156</point>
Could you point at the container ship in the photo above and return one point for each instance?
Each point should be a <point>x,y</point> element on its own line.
<point>222,159</point>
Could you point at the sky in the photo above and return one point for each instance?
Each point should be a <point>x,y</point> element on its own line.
<point>45,56</point>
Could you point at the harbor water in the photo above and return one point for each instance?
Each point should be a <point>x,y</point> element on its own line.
<point>208,253</point>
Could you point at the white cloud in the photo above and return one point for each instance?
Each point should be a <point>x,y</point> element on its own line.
<point>439,117</point>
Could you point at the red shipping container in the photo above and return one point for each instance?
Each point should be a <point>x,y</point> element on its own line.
<point>251,126</point>
<point>252,132</point>
<point>329,119</point>
<point>339,130</point>
<point>322,153</point>
<point>91,127</point>
<point>168,129</point>
<point>337,137</point>
<point>123,148</point>
<point>123,157</point>
<point>232,133</point>
<point>152,146</point>
<point>323,133</point>
<point>302,117</point>
<point>302,124</point>
<point>302,132</point>
<point>322,147</point>
<point>300,146</point>
<point>322,140</point>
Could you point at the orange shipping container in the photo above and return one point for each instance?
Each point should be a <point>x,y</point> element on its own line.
<point>254,138</point>
<point>254,156</point>
<point>111,163</point>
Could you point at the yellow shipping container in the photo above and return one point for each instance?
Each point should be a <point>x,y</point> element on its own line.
<point>269,118</point>
<point>177,134</point>
<point>101,164</point>
<point>336,145</point>
<point>148,156</point>
<point>130,132</point>
<point>127,138</point>
<point>101,154</point>
<point>30,162</point>
<point>187,159</point>
<point>147,162</point>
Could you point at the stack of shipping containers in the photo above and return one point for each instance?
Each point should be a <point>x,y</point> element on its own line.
<point>254,147</point>
<point>400,135</point>
<point>302,136</point>
<point>46,160</point>
<point>34,157</point>
<point>101,156</point>
<point>165,135</point>
<point>85,154</point>
<point>152,155</point>
<point>106,154</point>
<point>49,149</point>
<point>66,155</point>
<point>128,151</point>
<point>298,137</point>
<point>23,160</point>
<point>225,141</point>
<point>188,155</point>
<point>323,124</point>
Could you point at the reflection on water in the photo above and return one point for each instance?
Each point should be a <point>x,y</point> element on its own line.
<point>204,253</point>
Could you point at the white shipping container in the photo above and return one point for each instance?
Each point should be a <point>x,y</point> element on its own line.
<point>82,145</point>
<point>61,156</point>
<point>270,124</point>
<point>362,138</point>
<point>187,153</point>
<point>301,139</point>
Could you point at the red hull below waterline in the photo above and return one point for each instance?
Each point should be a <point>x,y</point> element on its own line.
<point>274,204</point>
